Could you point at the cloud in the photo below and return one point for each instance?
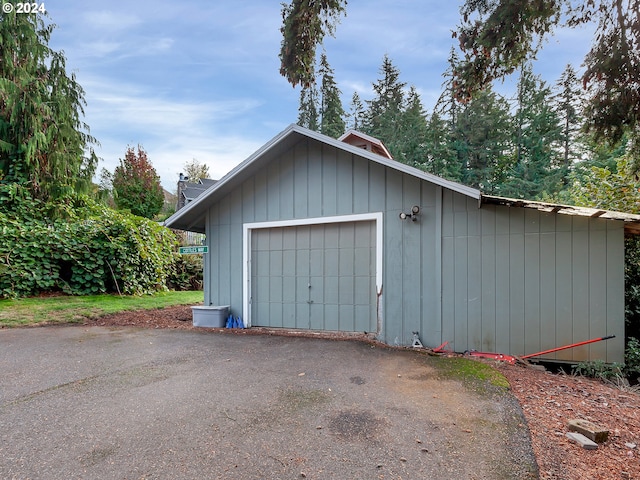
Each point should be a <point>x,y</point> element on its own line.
<point>109,21</point>
<point>172,131</point>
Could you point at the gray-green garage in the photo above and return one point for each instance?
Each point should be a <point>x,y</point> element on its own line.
<point>316,233</point>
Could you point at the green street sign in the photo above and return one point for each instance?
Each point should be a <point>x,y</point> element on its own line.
<point>189,250</point>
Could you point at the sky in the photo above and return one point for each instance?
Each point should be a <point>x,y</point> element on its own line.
<point>200,79</point>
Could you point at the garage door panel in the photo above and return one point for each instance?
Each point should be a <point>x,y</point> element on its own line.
<point>316,237</point>
<point>260,262</point>
<point>331,238</point>
<point>275,262</point>
<point>316,292</point>
<point>275,314</point>
<point>331,262</point>
<point>347,321</point>
<point>302,315</point>
<point>302,236</point>
<point>345,286</point>
<point>289,289</point>
<point>275,289</point>
<point>302,263</point>
<point>347,235</point>
<point>331,290</point>
<point>275,239</point>
<point>346,267</point>
<point>362,264</point>
<point>316,316</point>
<point>262,312</point>
<point>302,289</point>
<point>362,318</point>
<point>331,317</point>
<point>289,315</point>
<point>289,263</point>
<point>260,240</point>
<point>364,234</point>
<point>261,290</point>
<point>363,293</point>
<point>324,282</point>
<point>316,262</point>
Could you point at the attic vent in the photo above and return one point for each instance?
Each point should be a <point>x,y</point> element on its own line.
<point>366,142</point>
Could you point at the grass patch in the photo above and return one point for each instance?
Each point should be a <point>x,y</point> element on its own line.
<point>70,309</point>
<point>470,371</point>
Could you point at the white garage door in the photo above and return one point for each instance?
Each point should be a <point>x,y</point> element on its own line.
<point>319,277</point>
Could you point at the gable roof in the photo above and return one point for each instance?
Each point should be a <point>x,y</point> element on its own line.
<point>191,217</point>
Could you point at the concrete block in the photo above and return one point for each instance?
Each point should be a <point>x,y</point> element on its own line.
<point>589,429</point>
<point>581,440</point>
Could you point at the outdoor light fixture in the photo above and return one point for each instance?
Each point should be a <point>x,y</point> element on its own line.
<point>413,215</point>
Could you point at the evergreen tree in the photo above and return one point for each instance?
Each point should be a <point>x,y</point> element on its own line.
<point>331,111</point>
<point>356,112</point>
<point>412,132</point>
<point>536,167</point>
<point>440,155</point>
<point>136,185</point>
<point>482,140</point>
<point>308,109</point>
<point>569,106</point>
<point>382,119</point>
<point>500,36</point>
<point>42,137</point>
<point>447,105</point>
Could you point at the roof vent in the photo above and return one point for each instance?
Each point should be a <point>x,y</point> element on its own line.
<point>362,140</point>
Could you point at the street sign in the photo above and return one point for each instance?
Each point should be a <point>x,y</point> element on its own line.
<point>189,250</point>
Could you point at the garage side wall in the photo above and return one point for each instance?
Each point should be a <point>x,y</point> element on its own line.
<point>313,180</point>
<point>519,281</point>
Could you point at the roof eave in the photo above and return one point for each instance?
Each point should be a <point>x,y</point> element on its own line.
<point>198,206</point>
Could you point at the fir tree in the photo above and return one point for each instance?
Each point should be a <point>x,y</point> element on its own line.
<point>356,112</point>
<point>308,109</point>
<point>331,110</point>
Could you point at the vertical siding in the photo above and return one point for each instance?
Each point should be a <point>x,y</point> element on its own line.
<point>500,279</point>
<point>543,280</point>
<point>411,242</point>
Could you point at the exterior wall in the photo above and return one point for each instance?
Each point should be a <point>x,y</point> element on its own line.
<point>312,180</point>
<point>520,281</point>
<point>509,280</point>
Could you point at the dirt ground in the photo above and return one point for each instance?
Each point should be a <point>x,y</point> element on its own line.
<point>548,401</point>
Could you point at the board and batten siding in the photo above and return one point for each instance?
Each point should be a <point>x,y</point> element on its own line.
<point>508,280</point>
<point>522,281</point>
<point>314,180</point>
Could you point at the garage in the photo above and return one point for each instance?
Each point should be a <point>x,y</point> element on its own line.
<point>314,233</point>
<point>314,276</point>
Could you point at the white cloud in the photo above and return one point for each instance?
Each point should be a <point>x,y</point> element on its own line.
<point>111,21</point>
<point>171,131</point>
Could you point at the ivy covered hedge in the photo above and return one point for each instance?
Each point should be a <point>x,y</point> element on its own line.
<point>80,247</point>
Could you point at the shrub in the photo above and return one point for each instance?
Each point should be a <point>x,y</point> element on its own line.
<point>79,247</point>
<point>186,273</point>
<point>632,359</point>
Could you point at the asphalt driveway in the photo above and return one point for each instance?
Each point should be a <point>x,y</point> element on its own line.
<point>106,403</point>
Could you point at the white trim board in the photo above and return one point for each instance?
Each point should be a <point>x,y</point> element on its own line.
<point>247,228</point>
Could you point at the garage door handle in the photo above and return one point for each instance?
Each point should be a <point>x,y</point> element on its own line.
<point>309,302</point>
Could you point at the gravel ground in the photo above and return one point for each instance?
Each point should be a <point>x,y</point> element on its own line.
<point>109,402</point>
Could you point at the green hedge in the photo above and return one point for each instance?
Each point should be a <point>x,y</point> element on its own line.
<point>80,248</point>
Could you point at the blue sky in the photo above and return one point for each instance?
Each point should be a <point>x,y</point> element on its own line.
<point>189,79</point>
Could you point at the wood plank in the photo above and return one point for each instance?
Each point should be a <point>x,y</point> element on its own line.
<point>532,320</point>
<point>344,183</point>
